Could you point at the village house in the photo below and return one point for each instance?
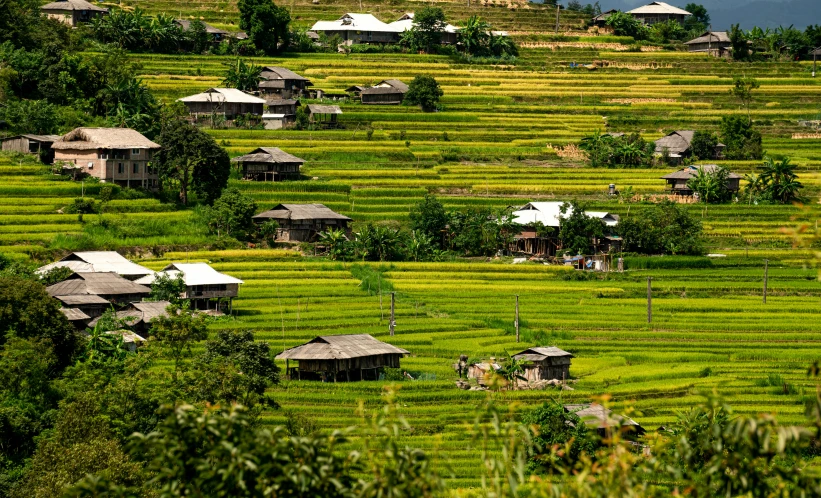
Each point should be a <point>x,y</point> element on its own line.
<point>545,363</point>
<point>87,291</point>
<point>390,92</point>
<point>268,164</point>
<point>87,304</point>
<point>405,23</point>
<point>715,43</point>
<point>131,340</point>
<point>117,155</point>
<point>225,102</point>
<point>676,145</point>
<point>655,12</point>
<point>359,28</point>
<point>537,216</point>
<point>324,116</point>
<point>341,358</point>
<point>77,317</point>
<point>138,315</point>
<point>98,262</point>
<point>32,144</point>
<point>72,12</point>
<point>677,181</point>
<point>217,35</point>
<point>604,421</point>
<point>282,82</point>
<point>303,222</point>
<point>281,112</point>
<point>601,19</point>
<point>205,287</point>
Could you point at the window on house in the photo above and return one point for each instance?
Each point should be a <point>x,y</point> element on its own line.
<point>135,152</point>
<point>120,168</point>
<point>135,168</point>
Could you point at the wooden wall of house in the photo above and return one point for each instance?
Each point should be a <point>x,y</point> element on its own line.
<point>382,98</point>
<point>229,109</point>
<point>365,362</point>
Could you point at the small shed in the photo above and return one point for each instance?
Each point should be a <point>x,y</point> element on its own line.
<point>281,112</point>
<point>94,287</point>
<point>72,12</point>
<point>217,35</point>
<point>302,222</point>
<point>677,145</point>
<point>386,92</point>
<point>90,305</point>
<point>601,19</point>
<point>77,317</point>
<point>139,315</point>
<point>715,43</point>
<point>677,181</point>
<point>268,164</point>
<point>228,102</point>
<point>131,340</point>
<point>342,357</point>
<point>202,285</point>
<point>32,144</point>
<point>481,371</point>
<point>324,115</point>
<point>603,421</point>
<point>545,363</point>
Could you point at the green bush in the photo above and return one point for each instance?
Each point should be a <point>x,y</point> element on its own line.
<point>666,262</point>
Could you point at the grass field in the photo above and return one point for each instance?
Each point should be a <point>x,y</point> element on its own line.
<point>496,144</point>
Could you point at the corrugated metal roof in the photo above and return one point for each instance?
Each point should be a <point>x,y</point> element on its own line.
<point>37,138</point>
<point>301,212</point>
<point>323,109</point>
<point>193,274</point>
<point>97,261</point>
<point>340,347</point>
<point>127,335</point>
<point>280,102</point>
<point>74,314</point>
<point>405,23</point>
<point>710,37</point>
<point>104,138</point>
<point>72,5</point>
<point>599,417</point>
<point>386,90</point>
<point>542,352</point>
<point>80,299</point>
<point>356,22</point>
<point>281,73</point>
<point>550,214</point>
<point>394,83</point>
<point>137,313</point>
<point>659,8</point>
<point>185,24</point>
<point>221,95</point>
<point>267,155</point>
<point>100,284</point>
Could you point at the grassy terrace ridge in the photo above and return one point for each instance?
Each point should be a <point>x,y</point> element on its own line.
<point>497,142</point>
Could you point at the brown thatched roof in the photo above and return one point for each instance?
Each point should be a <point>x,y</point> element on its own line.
<point>710,37</point>
<point>596,416</point>
<point>138,313</point>
<point>81,299</point>
<point>540,353</point>
<point>340,347</point>
<point>300,212</point>
<point>398,84</point>
<point>72,5</point>
<point>691,171</point>
<point>323,109</point>
<point>382,91</point>
<point>278,102</point>
<point>74,314</point>
<point>104,138</point>
<point>99,284</point>
<point>35,138</point>
<point>267,155</point>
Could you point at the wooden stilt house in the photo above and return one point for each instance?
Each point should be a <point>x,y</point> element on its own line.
<point>341,358</point>
<point>545,363</point>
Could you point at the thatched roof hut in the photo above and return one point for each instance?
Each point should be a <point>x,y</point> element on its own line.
<point>72,12</point>
<point>677,181</point>
<point>302,222</point>
<point>343,357</point>
<point>545,363</point>
<point>268,164</point>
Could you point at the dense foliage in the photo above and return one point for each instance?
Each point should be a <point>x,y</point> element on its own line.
<point>666,228</point>
<point>266,24</point>
<point>425,92</point>
<point>742,141</point>
<point>577,230</point>
<point>618,150</point>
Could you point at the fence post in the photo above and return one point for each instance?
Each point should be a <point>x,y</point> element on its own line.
<point>649,300</point>
<point>516,323</point>
<point>393,322</point>
<point>766,268</point>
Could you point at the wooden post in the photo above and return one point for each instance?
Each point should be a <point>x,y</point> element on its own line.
<point>516,323</point>
<point>649,300</point>
<point>287,369</point>
<point>766,268</point>
<point>557,18</point>
<point>393,322</point>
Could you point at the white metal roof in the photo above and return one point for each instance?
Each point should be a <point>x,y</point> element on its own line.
<point>658,8</point>
<point>230,95</point>
<point>356,22</point>
<point>192,274</point>
<point>97,262</point>
<point>405,23</point>
<point>550,214</point>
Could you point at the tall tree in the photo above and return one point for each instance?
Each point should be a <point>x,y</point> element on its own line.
<point>176,331</point>
<point>577,230</point>
<point>742,89</point>
<point>425,92</point>
<point>429,218</point>
<point>739,46</point>
<point>428,25</point>
<point>191,160</point>
<point>242,76</point>
<point>265,23</point>
<point>699,14</point>
<point>779,180</point>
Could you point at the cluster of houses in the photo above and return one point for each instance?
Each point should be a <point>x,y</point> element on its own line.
<point>102,280</point>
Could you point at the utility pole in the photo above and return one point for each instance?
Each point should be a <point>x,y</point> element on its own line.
<point>516,323</point>
<point>649,300</point>
<point>814,58</point>
<point>710,41</point>
<point>766,268</point>
<point>557,18</point>
<point>393,321</point>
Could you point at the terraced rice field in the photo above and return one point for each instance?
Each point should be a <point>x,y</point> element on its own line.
<point>496,144</point>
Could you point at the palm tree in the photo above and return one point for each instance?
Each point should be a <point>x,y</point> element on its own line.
<point>752,186</point>
<point>335,241</point>
<point>474,35</point>
<point>779,181</point>
<point>242,76</point>
<point>598,147</point>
